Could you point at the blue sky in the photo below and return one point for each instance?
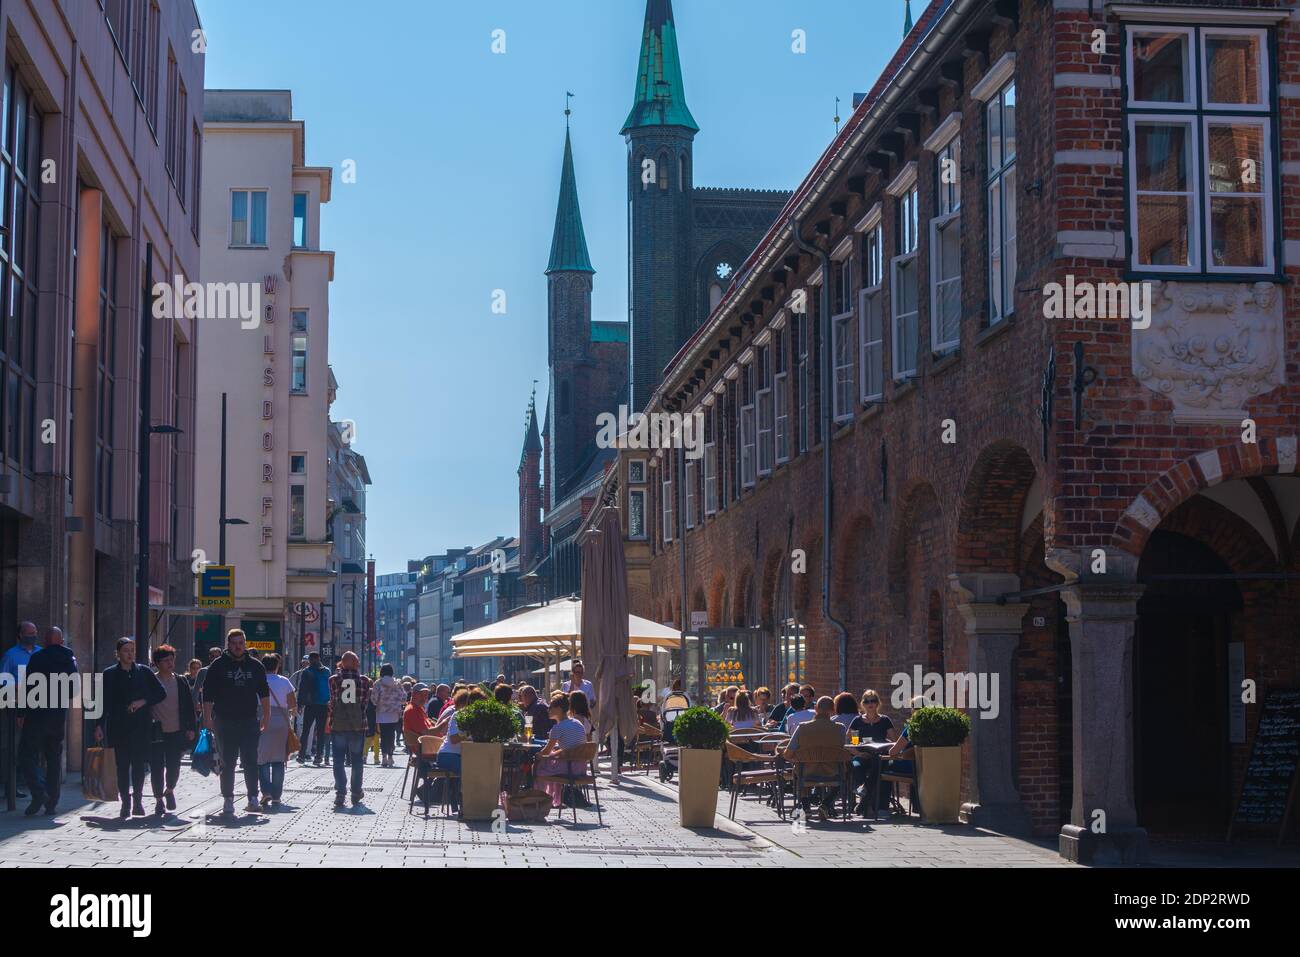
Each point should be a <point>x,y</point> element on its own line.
<point>458,156</point>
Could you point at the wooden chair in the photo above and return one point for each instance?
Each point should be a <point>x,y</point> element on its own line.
<point>765,772</point>
<point>808,776</point>
<point>428,772</point>
<point>412,742</point>
<point>649,742</point>
<point>581,755</point>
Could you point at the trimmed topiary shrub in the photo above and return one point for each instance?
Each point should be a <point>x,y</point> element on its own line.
<point>937,727</point>
<point>488,722</point>
<point>699,727</point>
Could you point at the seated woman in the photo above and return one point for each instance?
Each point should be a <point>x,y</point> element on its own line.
<point>870,725</point>
<point>449,753</point>
<point>846,711</point>
<point>742,715</point>
<point>762,703</point>
<point>580,711</point>
<point>565,733</point>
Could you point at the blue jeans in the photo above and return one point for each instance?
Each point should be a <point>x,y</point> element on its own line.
<point>351,743</point>
<point>271,777</point>
<point>448,761</point>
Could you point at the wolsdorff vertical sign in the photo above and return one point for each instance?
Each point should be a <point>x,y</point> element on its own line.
<point>1269,786</point>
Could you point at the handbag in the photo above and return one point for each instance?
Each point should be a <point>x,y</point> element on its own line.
<point>528,805</point>
<point>292,744</point>
<point>99,778</point>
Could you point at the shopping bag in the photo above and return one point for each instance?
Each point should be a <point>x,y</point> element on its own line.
<point>99,775</point>
<point>293,745</point>
<point>201,760</point>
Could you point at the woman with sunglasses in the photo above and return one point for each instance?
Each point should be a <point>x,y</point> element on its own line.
<point>870,725</point>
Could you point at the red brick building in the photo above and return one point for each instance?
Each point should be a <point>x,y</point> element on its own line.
<point>916,455</point>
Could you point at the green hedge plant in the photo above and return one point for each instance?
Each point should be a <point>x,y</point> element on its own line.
<point>937,727</point>
<point>488,722</point>
<point>700,727</point>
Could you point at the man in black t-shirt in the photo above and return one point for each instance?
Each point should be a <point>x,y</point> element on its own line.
<point>233,695</point>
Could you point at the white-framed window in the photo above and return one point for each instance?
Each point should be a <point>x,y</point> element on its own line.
<point>1202,163</point>
<point>248,217</point>
<point>799,334</point>
<point>300,220</point>
<point>945,250</point>
<point>690,492</point>
<point>636,471</point>
<point>711,461</point>
<point>766,445</point>
<point>842,338</point>
<point>781,396</point>
<point>747,430</point>
<point>905,330</point>
<point>1000,116</point>
<point>666,491</point>
<point>298,372</point>
<point>636,514</point>
<point>872,326</point>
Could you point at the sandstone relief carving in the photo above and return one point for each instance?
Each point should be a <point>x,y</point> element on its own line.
<point>1211,347</point>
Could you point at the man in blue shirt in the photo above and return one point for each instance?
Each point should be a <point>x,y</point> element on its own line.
<point>20,654</point>
<point>43,727</point>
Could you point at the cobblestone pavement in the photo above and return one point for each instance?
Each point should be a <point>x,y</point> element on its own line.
<point>640,830</point>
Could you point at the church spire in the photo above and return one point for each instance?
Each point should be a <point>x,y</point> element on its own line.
<point>907,19</point>
<point>532,440</point>
<point>568,242</point>
<point>660,97</point>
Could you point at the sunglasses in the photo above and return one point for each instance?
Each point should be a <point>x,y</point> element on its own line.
<point>872,701</point>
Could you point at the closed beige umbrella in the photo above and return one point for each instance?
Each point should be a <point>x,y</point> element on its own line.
<point>605,632</point>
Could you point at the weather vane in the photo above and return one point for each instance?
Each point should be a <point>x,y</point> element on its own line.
<point>837,115</point>
<point>567,97</point>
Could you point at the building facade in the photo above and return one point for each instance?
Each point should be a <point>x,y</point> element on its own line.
<point>261,228</point>
<point>99,168</point>
<point>347,479</point>
<point>393,593</point>
<point>943,430</point>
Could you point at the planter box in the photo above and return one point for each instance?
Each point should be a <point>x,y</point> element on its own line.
<point>938,775</point>
<point>480,780</point>
<point>697,791</point>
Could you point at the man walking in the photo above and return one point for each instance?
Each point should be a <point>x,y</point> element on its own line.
<point>349,693</point>
<point>313,690</point>
<point>20,654</point>
<point>235,685</point>
<point>580,683</point>
<point>293,679</point>
<point>42,728</point>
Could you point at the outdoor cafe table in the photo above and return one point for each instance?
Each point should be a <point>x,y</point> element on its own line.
<point>515,757</point>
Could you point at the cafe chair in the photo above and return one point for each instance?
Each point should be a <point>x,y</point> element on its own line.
<point>427,772</point>
<point>412,757</point>
<point>762,772</point>
<point>648,742</point>
<point>580,756</point>
<point>894,779</point>
<point>822,767</point>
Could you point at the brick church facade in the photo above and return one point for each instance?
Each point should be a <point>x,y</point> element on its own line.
<point>684,244</point>
<point>915,454</point>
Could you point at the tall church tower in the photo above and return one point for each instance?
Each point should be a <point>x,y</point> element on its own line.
<point>660,133</point>
<point>530,494</point>
<point>568,310</point>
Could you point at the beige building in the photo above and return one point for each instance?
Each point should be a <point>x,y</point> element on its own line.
<point>261,227</point>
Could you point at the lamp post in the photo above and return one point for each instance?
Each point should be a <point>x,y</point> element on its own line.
<point>222,520</point>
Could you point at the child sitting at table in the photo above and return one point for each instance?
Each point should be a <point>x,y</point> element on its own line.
<point>565,733</point>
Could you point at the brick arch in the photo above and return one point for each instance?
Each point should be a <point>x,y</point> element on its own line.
<point>1224,532</point>
<point>917,529</point>
<point>698,601</point>
<point>717,595</point>
<point>1270,456</point>
<point>740,598</point>
<point>988,523</point>
<point>772,577</point>
<point>847,592</point>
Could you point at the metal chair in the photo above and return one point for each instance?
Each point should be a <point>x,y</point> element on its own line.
<point>894,779</point>
<point>767,774</point>
<point>808,776</point>
<point>581,755</point>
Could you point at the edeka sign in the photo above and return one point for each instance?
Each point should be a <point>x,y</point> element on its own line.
<point>263,636</point>
<point>216,586</point>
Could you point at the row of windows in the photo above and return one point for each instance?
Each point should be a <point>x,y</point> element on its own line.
<point>1201,174</point>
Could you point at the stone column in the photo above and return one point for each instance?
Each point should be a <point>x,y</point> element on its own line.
<point>1103,820</point>
<point>993,633</point>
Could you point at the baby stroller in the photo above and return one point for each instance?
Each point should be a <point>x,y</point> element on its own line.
<point>674,705</point>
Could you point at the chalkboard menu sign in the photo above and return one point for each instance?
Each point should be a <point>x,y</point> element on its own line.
<point>1269,785</point>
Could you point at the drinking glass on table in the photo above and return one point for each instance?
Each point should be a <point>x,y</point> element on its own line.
<point>853,739</point>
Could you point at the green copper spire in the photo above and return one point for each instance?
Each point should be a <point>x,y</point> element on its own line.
<point>660,98</point>
<point>568,243</point>
<point>907,19</point>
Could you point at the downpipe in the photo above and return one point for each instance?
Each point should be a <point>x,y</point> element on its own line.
<point>824,411</point>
